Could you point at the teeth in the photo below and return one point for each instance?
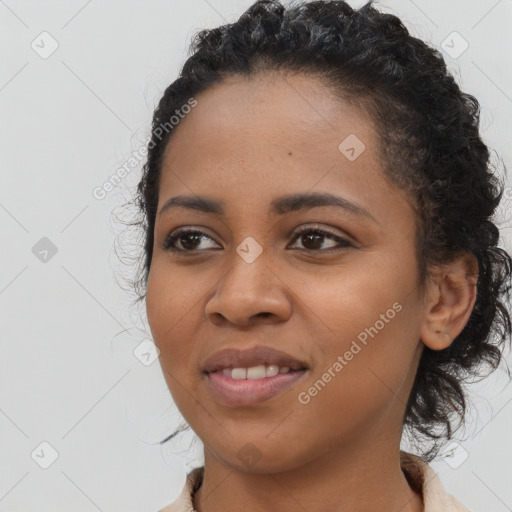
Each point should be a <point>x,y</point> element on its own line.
<point>272,370</point>
<point>239,373</point>
<point>255,372</point>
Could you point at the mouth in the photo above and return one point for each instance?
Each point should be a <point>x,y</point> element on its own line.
<point>252,360</point>
<point>256,372</point>
<point>245,378</point>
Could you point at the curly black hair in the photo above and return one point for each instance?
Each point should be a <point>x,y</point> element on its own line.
<point>429,143</point>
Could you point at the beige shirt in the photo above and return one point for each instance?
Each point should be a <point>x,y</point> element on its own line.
<point>420,475</point>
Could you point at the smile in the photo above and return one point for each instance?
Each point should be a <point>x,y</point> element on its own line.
<point>255,372</point>
<point>246,387</point>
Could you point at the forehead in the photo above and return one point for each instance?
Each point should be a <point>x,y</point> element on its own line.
<point>272,134</point>
<point>277,109</point>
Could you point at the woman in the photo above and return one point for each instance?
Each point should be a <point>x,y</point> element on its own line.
<point>321,270</point>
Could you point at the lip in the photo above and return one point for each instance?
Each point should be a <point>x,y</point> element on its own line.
<point>250,392</point>
<point>233,358</point>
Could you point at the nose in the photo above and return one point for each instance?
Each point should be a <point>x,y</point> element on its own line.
<point>249,293</point>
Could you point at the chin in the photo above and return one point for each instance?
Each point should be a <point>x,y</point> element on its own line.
<point>258,457</point>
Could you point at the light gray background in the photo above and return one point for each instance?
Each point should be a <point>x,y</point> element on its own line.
<point>68,373</point>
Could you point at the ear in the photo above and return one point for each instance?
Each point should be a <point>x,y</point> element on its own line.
<point>449,300</point>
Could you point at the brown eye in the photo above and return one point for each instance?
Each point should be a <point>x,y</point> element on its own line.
<point>312,239</point>
<point>188,240</point>
<point>185,240</point>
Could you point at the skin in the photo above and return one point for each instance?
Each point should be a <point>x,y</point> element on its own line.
<point>246,143</point>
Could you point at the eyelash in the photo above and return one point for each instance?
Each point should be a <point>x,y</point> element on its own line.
<point>170,241</point>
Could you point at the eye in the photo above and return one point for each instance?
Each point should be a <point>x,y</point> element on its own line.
<point>188,238</point>
<point>314,237</point>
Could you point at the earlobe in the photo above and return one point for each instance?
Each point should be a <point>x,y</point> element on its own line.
<point>450,298</point>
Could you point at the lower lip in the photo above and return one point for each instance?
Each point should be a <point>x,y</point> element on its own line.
<point>246,392</point>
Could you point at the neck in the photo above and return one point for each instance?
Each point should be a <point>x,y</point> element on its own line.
<point>356,479</point>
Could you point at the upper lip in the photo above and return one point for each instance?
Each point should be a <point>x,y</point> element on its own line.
<point>255,356</point>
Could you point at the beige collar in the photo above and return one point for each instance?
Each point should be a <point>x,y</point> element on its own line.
<point>420,475</point>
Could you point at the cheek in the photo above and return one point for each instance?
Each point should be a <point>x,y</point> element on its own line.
<point>362,376</point>
<point>352,297</point>
<point>369,316</point>
<point>168,308</point>
<point>169,311</point>
<point>171,294</point>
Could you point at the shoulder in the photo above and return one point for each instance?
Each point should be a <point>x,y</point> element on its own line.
<point>424,479</point>
<point>184,501</point>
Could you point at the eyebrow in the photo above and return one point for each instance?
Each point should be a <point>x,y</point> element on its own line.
<point>280,206</point>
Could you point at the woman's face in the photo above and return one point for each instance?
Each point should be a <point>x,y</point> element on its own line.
<point>343,305</point>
